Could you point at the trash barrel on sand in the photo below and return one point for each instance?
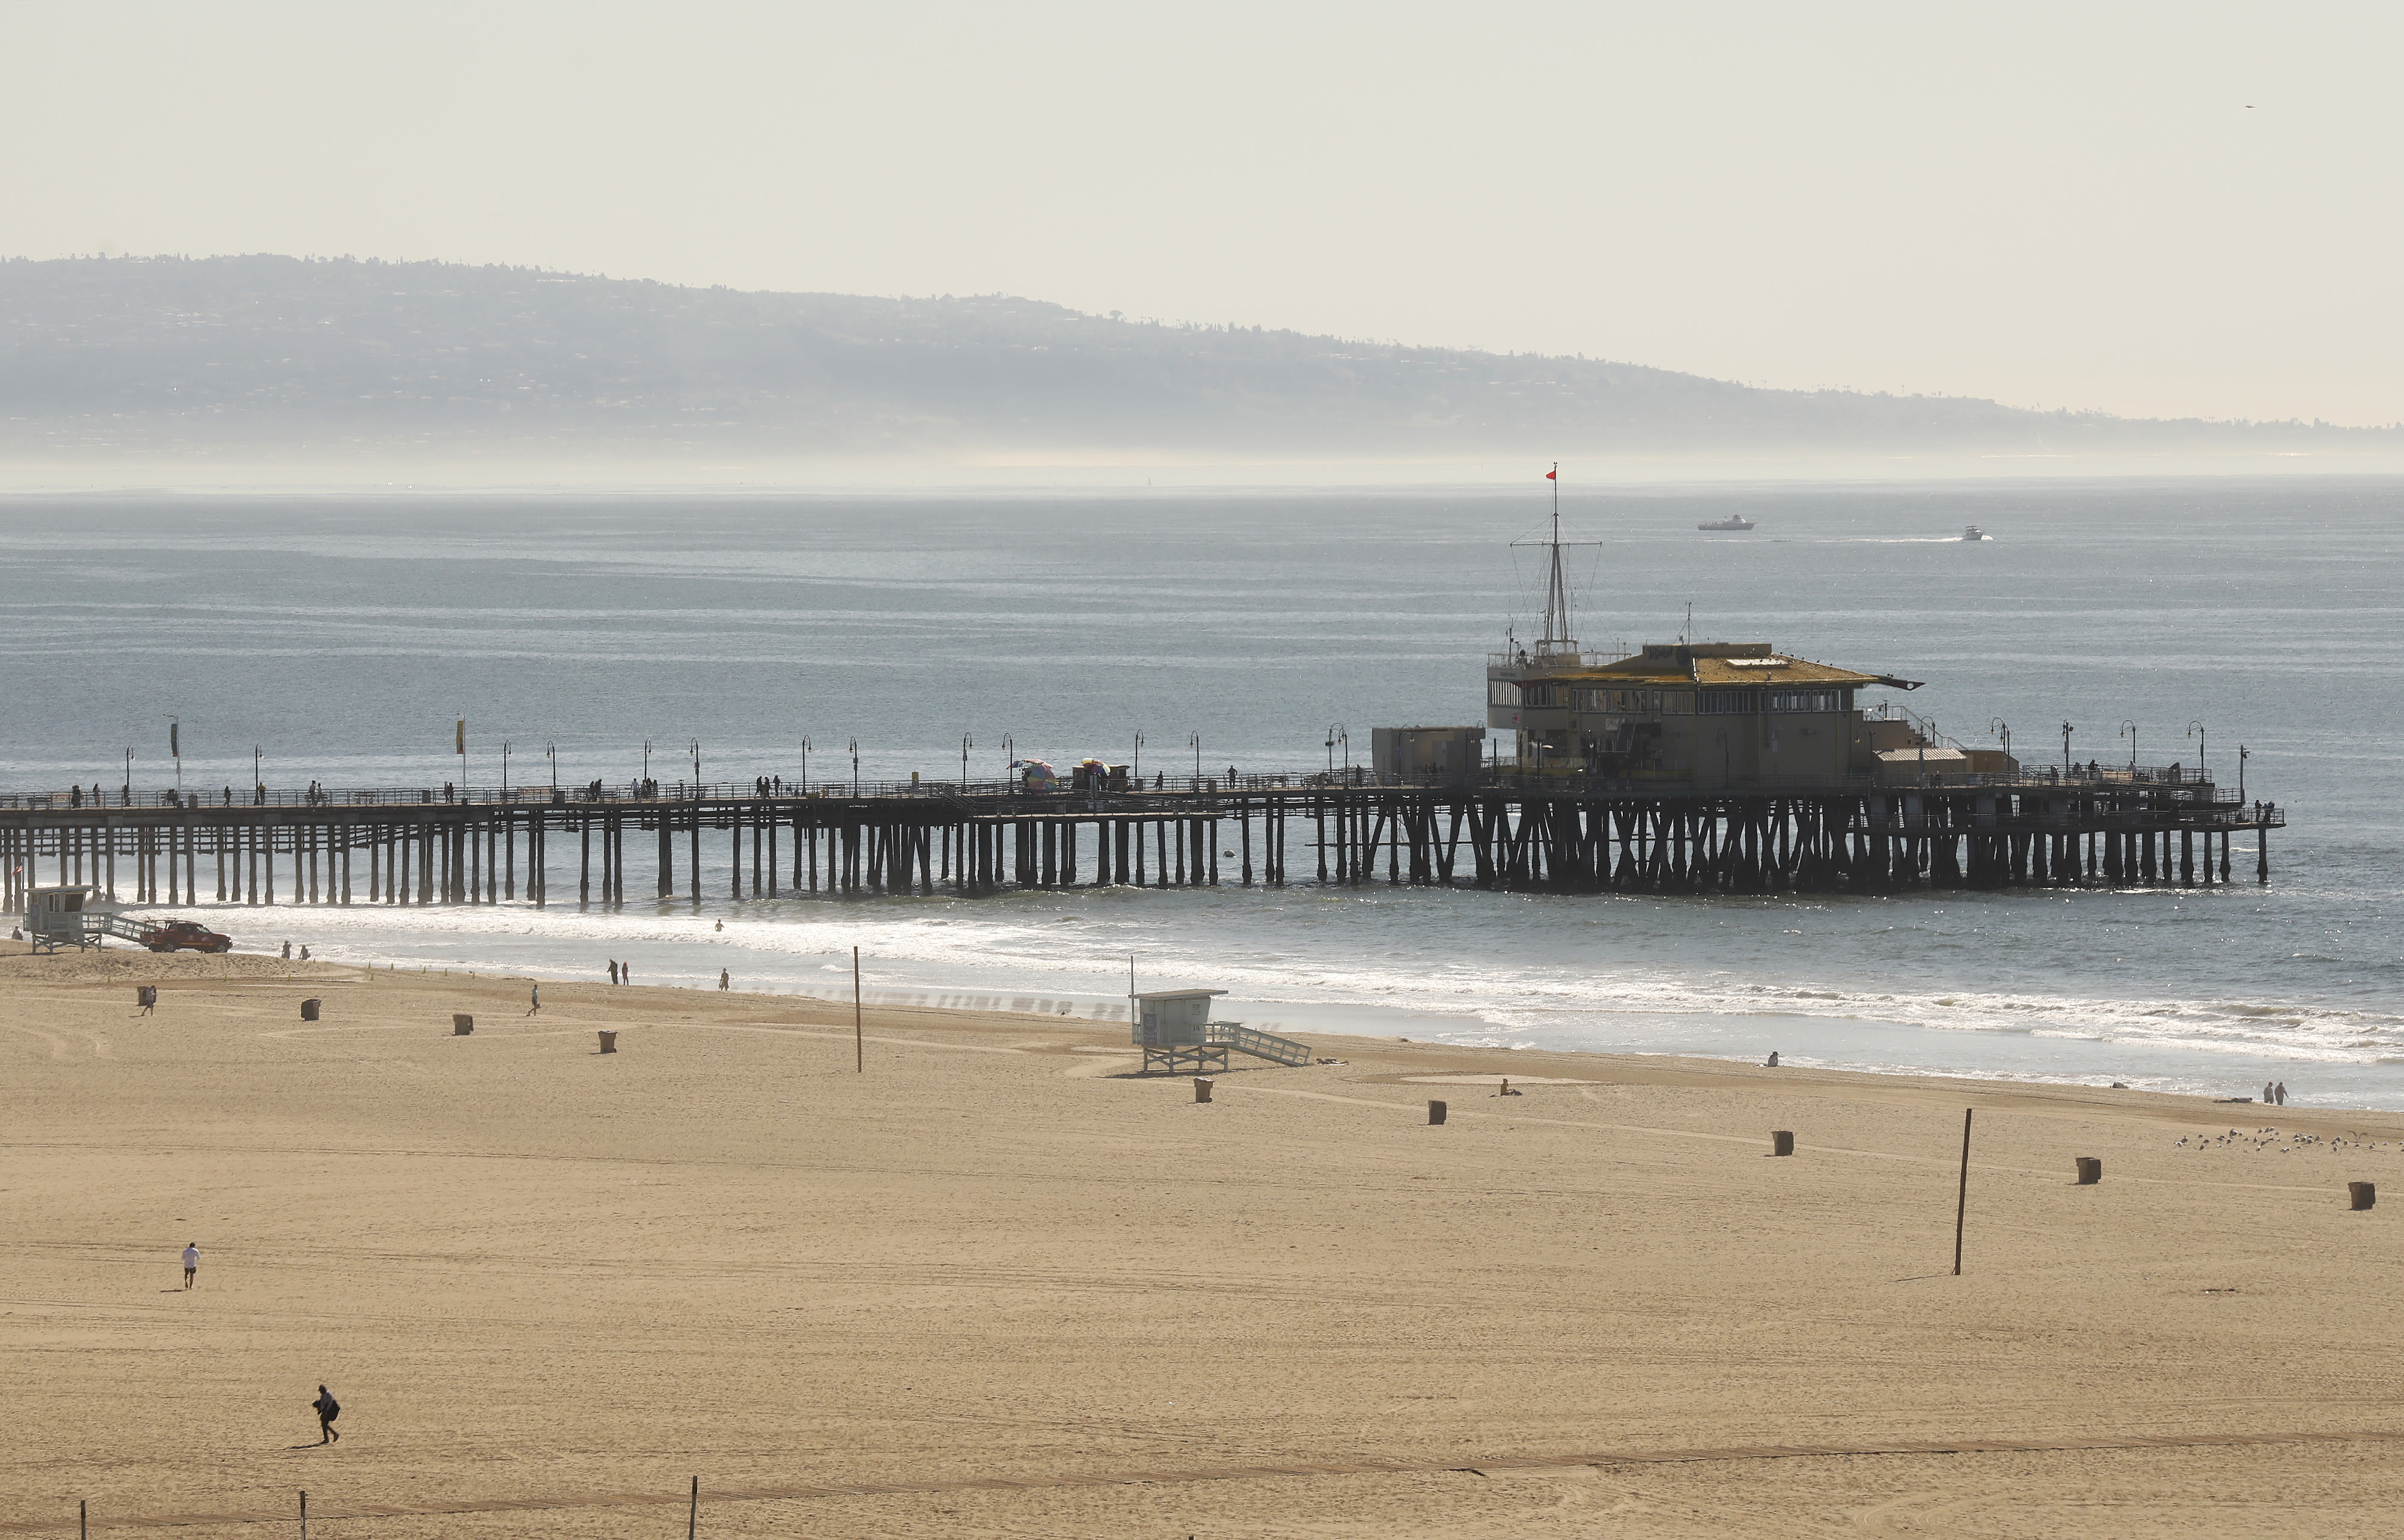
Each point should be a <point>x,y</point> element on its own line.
<point>462,1025</point>
<point>309,1009</point>
<point>609,1041</point>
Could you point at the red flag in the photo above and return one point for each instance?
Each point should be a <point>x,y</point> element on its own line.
<point>1551,475</point>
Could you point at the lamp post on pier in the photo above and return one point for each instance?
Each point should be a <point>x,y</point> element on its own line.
<point>2242,755</point>
<point>805,766</point>
<point>2065,751</point>
<point>129,778</point>
<point>551,752</point>
<point>647,766</point>
<point>1138,759</point>
<point>2003,729</point>
<point>1331,751</point>
<point>2129,730</point>
<point>966,742</point>
<point>855,766</point>
<point>696,770</point>
<point>2203,765</point>
<point>257,781</point>
<point>1196,741</point>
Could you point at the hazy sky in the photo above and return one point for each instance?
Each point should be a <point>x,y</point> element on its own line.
<point>2157,210</point>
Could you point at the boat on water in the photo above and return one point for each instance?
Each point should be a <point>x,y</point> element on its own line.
<point>1733,521</point>
<point>1975,533</point>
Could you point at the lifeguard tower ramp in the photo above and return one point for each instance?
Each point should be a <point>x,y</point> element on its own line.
<point>1174,1028</point>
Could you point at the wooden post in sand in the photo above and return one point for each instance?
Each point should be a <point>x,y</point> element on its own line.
<point>1962,1202</point>
<point>692,1511</point>
<point>305,1516</point>
<point>858,1043</point>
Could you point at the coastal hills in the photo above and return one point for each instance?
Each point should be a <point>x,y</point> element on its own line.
<point>249,355</point>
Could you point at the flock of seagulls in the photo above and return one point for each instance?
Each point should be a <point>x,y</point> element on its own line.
<point>2285,1143</point>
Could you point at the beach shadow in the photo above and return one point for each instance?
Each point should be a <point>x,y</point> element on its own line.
<point>1923,1278</point>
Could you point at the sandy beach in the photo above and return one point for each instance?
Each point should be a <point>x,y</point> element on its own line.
<point>997,1284</point>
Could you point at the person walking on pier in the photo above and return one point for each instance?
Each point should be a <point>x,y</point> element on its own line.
<point>191,1262</point>
<point>326,1409</point>
<point>535,1007</point>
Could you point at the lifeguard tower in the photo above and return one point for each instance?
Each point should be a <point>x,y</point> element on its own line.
<point>71,916</point>
<point>1174,1028</point>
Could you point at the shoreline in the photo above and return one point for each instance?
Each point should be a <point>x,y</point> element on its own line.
<point>106,967</point>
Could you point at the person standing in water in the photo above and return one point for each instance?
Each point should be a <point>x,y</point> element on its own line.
<point>326,1409</point>
<point>191,1262</point>
<point>723,981</point>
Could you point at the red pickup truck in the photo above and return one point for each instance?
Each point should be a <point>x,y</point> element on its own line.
<point>182,935</point>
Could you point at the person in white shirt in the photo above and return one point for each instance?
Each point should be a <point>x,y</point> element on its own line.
<point>191,1262</point>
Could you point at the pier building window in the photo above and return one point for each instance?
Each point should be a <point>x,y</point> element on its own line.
<point>1539,697</point>
<point>1811,700</point>
<point>1731,702</point>
<point>1501,692</point>
<point>1639,703</point>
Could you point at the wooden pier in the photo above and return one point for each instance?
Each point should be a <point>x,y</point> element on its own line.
<point>1534,833</point>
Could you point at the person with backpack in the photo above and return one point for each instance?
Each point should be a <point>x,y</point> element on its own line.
<point>326,1409</point>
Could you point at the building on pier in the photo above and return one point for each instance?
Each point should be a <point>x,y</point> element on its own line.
<point>1707,715</point>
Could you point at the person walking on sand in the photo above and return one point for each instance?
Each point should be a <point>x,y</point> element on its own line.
<point>613,970</point>
<point>534,1009</point>
<point>326,1409</point>
<point>625,973</point>
<point>191,1262</point>
<point>2283,1094</point>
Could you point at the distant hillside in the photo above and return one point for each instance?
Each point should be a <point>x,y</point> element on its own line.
<point>229,353</point>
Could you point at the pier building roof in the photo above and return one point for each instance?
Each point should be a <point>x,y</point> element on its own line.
<point>1722,663</point>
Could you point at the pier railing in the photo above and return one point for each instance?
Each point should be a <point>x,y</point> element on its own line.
<point>2185,785</point>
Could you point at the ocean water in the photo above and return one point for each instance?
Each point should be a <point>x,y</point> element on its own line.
<point>342,637</point>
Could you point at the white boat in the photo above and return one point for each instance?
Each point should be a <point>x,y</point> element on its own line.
<point>1975,533</point>
<point>1733,521</point>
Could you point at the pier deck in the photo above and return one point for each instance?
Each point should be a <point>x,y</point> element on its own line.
<point>420,846</point>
